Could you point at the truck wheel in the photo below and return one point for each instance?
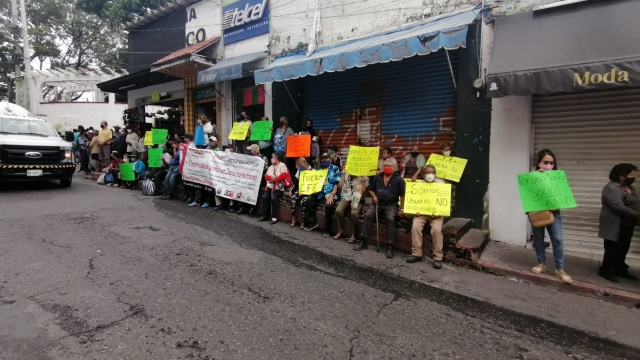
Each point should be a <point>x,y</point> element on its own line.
<point>65,182</point>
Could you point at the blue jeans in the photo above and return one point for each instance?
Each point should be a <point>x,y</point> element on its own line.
<point>555,233</point>
<point>170,179</point>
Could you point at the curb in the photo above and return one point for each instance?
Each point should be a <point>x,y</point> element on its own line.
<point>578,287</point>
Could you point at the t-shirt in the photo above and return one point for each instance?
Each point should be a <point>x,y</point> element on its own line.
<point>390,194</point>
<point>104,136</point>
<point>95,147</point>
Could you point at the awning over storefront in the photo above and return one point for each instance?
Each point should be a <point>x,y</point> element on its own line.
<point>136,80</point>
<point>590,45</point>
<point>232,68</point>
<point>188,61</point>
<point>447,31</point>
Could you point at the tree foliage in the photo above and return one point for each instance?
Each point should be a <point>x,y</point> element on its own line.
<point>118,12</point>
<point>64,36</point>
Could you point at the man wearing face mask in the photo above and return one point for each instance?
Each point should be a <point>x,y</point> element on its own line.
<point>435,222</point>
<point>243,144</point>
<point>386,190</point>
<point>446,149</point>
<point>105,137</point>
<point>329,196</point>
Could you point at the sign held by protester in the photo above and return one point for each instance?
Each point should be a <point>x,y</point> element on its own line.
<point>362,161</point>
<point>159,136</point>
<point>547,190</point>
<point>148,138</point>
<point>155,158</point>
<point>312,181</point>
<point>431,199</point>
<point>262,130</point>
<point>448,167</point>
<point>239,131</point>
<point>126,172</point>
<point>233,176</point>
<point>299,145</point>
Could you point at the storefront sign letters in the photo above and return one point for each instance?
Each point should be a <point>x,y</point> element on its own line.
<point>221,74</point>
<point>588,78</point>
<point>204,93</point>
<point>245,19</point>
<point>201,19</point>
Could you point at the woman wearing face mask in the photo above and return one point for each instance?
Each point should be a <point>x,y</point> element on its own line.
<point>352,193</point>
<point>412,162</point>
<point>336,160</point>
<point>446,149</point>
<point>296,198</point>
<point>618,217</point>
<point>281,135</point>
<point>276,183</point>
<point>546,161</point>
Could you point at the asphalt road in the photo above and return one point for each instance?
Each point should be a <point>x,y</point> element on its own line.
<point>92,272</point>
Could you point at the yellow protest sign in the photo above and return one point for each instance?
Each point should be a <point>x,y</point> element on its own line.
<point>362,161</point>
<point>148,138</point>
<point>239,131</point>
<point>311,181</point>
<point>448,167</point>
<point>425,198</point>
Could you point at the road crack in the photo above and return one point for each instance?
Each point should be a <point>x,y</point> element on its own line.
<point>352,342</point>
<point>56,245</point>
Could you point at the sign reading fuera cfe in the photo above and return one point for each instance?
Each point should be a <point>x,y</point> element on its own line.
<point>245,19</point>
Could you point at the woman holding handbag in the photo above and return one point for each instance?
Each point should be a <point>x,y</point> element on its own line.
<point>552,221</point>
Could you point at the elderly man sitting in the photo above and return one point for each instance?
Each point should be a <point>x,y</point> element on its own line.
<point>428,173</point>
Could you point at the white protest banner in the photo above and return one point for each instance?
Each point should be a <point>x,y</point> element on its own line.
<point>234,176</point>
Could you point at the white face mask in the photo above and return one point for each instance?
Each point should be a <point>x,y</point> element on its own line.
<point>125,160</point>
<point>430,177</point>
<point>446,153</point>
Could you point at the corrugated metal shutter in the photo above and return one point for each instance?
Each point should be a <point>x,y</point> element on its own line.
<point>413,100</point>
<point>589,133</point>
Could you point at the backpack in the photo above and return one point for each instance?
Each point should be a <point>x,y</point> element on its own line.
<point>148,187</point>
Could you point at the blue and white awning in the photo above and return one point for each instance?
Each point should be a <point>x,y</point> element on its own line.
<point>447,31</point>
<point>231,68</point>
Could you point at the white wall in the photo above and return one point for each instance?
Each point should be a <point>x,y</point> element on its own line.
<point>291,21</point>
<point>72,114</point>
<point>166,87</point>
<point>509,155</point>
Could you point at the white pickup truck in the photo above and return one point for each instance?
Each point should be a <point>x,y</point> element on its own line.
<point>31,149</point>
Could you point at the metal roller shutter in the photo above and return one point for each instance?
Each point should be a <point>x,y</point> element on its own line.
<point>589,133</point>
<point>396,104</point>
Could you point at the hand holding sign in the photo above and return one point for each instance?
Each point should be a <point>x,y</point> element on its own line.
<point>448,167</point>
<point>298,145</point>
<point>362,161</point>
<point>311,181</point>
<point>262,131</point>
<point>547,190</point>
<point>431,199</point>
<point>239,131</point>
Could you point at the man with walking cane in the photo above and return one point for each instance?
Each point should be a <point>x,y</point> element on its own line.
<point>386,190</point>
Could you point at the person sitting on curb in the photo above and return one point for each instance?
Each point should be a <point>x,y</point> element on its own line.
<point>294,193</point>
<point>352,193</point>
<point>276,184</point>
<point>172,175</point>
<point>386,190</point>
<point>328,195</point>
<point>419,221</point>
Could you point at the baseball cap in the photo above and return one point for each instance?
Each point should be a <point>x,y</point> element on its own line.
<point>253,147</point>
<point>213,138</point>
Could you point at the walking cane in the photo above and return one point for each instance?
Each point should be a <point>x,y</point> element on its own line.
<point>377,229</point>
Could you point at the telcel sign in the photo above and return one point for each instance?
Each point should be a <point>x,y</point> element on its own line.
<point>245,19</point>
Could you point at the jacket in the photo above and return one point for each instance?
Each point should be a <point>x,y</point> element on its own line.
<point>613,212</point>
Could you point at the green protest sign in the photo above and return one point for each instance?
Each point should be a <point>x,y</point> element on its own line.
<point>261,130</point>
<point>547,190</point>
<point>160,136</point>
<point>126,172</point>
<point>155,158</point>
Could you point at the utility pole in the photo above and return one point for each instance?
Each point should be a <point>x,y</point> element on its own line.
<point>16,47</point>
<point>27,55</point>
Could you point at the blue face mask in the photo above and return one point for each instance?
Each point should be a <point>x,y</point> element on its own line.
<point>302,168</point>
<point>325,164</point>
<point>249,153</point>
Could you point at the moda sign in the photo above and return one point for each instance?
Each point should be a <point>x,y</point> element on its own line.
<point>245,19</point>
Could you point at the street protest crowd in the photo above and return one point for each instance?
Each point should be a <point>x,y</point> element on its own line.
<point>268,163</point>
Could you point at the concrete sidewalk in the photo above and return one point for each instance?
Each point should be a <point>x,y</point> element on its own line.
<point>516,262</point>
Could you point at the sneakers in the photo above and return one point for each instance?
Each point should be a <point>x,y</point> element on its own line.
<point>273,221</point>
<point>361,244</point>
<point>205,205</point>
<point>193,204</point>
<point>564,276</point>
<point>217,208</point>
<point>539,269</point>
<point>413,259</point>
<point>390,252</point>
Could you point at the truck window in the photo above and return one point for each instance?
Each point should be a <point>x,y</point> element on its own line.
<point>18,126</point>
